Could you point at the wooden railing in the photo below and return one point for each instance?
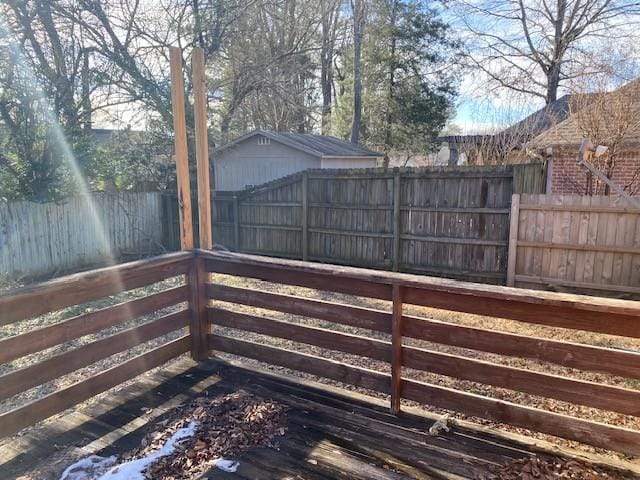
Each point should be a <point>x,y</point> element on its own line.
<point>36,300</point>
<point>566,311</point>
<point>205,300</point>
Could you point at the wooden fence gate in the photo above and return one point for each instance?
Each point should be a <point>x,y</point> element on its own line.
<point>451,222</point>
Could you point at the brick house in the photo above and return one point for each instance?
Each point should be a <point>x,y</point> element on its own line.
<point>610,119</point>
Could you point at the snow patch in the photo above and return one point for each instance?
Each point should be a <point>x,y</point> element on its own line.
<point>227,465</point>
<point>132,470</point>
<point>88,468</point>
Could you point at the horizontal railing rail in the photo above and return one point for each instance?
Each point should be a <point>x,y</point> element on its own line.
<point>33,301</point>
<point>608,316</point>
<point>376,328</point>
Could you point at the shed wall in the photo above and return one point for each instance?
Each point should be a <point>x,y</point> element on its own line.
<point>247,164</point>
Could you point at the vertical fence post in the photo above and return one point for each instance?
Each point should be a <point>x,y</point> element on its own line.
<point>182,161</point>
<point>396,349</point>
<point>236,224</point>
<point>202,149</point>
<point>396,221</point>
<point>514,220</point>
<point>305,216</point>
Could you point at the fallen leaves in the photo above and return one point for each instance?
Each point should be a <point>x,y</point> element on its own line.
<point>534,468</point>
<point>227,425</point>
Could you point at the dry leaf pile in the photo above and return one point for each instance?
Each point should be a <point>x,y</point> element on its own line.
<point>533,468</point>
<point>227,425</point>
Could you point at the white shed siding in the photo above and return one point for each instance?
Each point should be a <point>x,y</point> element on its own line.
<point>349,162</point>
<point>248,163</point>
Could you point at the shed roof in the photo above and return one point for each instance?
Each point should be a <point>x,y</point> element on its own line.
<point>316,145</point>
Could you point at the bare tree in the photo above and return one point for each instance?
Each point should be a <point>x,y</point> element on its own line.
<point>330,13</point>
<point>359,16</point>
<point>534,46</point>
<point>611,119</point>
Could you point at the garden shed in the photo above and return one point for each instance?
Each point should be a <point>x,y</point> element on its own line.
<point>262,155</point>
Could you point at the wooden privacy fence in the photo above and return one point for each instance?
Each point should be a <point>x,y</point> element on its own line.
<point>615,317</point>
<point>563,241</point>
<point>607,316</point>
<point>38,239</point>
<point>446,221</point>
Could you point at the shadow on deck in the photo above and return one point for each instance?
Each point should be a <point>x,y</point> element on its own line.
<point>330,434</point>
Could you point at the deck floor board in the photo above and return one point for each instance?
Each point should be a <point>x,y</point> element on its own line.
<point>331,435</point>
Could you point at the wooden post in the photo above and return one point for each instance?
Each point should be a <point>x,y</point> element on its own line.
<point>305,216</point>
<point>513,239</point>
<point>236,224</point>
<point>202,149</point>
<point>396,221</point>
<point>396,349</point>
<point>199,325</point>
<point>182,160</point>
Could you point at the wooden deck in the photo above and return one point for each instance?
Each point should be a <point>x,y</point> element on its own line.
<point>331,433</point>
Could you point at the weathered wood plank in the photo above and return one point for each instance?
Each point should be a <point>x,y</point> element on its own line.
<point>14,420</point>
<point>361,317</point>
<point>616,399</point>
<point>396,349</point>
<point>182,156</point>
<point>573,355</point>
<point>87,323</point>
<point>319,337</point>
<point>452,295</point>
<point>41,298</point>
<point>514,221</point>
<point>585,431</point>
<point>321,367</point>
<point>322,281</point>
<point>198,300</point>
<point>202,148</point>
<point>20,380</point>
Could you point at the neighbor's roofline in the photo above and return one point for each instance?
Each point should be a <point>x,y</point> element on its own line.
<point>285,141</point>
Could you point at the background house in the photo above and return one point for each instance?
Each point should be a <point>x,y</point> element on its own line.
<point>261,156</point>
<point>508,145</point>
<point>611,119</point>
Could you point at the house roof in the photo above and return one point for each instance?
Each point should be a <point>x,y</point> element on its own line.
<point>602,116</point>
<point>542,120</point>
<point>524,130</point>
<point>316,145</point>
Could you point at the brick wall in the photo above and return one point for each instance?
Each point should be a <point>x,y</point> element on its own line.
<point>568,178</point>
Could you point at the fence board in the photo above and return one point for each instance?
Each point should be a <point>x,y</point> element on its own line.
<point>587,244</point>
<point>444,221</point>
<point>40,239</point>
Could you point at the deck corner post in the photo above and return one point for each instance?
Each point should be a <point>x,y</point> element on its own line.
<point>396,349</point>
<point>199,322</point>
<point>514,221</point>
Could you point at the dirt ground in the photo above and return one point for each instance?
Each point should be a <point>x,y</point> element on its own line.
<point>460,318</point>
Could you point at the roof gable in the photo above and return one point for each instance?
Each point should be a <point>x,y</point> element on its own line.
<point>603,115</point>
<point>316,145</point>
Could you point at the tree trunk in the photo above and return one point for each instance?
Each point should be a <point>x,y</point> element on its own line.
<point>358,8</point>
<point>326,62</point>
<point>388,133</point>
